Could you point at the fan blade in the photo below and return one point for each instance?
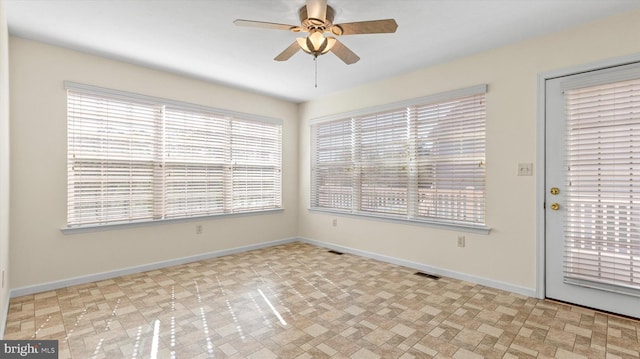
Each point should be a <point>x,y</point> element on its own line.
<point>344,53</point>
<point>317,9</point>
<point>288,52</point>
<point>365,27</point>
<point>264,25</point>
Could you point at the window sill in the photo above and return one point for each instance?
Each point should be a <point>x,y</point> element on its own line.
<point>481,229</point>
<point>128,225</point>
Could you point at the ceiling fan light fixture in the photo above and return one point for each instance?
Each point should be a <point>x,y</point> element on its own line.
<point>316,41</point>
<point>330,42</point>
<point>302,41</point>
<point>316,44</point>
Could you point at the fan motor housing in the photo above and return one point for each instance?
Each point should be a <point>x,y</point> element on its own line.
<point>312,24</point>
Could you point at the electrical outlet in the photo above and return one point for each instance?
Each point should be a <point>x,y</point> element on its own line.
<point>461,241</point>
<point>525,169</point>
<point>198,229</point>
<point>335,222</point>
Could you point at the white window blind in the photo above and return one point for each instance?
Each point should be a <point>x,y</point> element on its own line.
<point>196,150</point>
<point>602,221</point>
<point>256,161</point>
<point>333,172</point>
<point>450,158</point>
<point>137,158</point>
<point>112,158</point>
<point>382,161</point>
<point>419,161</point>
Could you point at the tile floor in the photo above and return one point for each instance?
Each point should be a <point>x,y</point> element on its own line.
<point>300,301</point>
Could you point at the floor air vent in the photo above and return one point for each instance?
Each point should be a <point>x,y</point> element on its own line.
<point>427,275</point>
<point>335,252</point>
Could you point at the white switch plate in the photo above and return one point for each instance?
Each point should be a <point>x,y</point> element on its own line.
<point>525,169</point>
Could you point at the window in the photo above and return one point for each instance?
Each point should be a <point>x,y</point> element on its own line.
<point>422,160</point>
<point>136,158</point>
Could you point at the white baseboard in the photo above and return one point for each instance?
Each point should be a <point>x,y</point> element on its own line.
<point>529,292</point>
<point>38,288</point>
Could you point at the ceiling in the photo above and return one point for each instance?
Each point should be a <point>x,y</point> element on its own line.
<point>197,38</point>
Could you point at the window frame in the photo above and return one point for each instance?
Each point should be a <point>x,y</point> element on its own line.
<point>410,217</point>
<point>250,121</point>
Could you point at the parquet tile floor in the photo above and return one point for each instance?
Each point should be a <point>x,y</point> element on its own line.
<point>300,301</point>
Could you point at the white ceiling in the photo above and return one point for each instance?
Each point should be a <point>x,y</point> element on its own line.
<point>198,38</point>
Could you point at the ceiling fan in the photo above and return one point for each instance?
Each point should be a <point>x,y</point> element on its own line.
<point>316,18</point>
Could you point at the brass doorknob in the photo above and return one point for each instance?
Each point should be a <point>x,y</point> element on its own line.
<point>555,191</point>
<point>555,206</point>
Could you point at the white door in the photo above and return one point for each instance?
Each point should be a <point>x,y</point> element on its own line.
<point>592,200</point>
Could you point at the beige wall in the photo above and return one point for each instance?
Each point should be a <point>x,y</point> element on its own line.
<point>40,253</point>
<point>4,167</point>
<point>508,254</point>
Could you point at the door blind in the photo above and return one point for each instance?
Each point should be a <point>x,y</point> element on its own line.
<point>602,221</point>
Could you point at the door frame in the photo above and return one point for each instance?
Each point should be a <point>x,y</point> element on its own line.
<point>540,153</point>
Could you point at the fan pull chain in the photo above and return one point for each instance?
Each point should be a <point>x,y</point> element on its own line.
<point>315,60</point>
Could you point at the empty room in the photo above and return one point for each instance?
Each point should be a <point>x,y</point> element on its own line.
<point>319,179</point>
